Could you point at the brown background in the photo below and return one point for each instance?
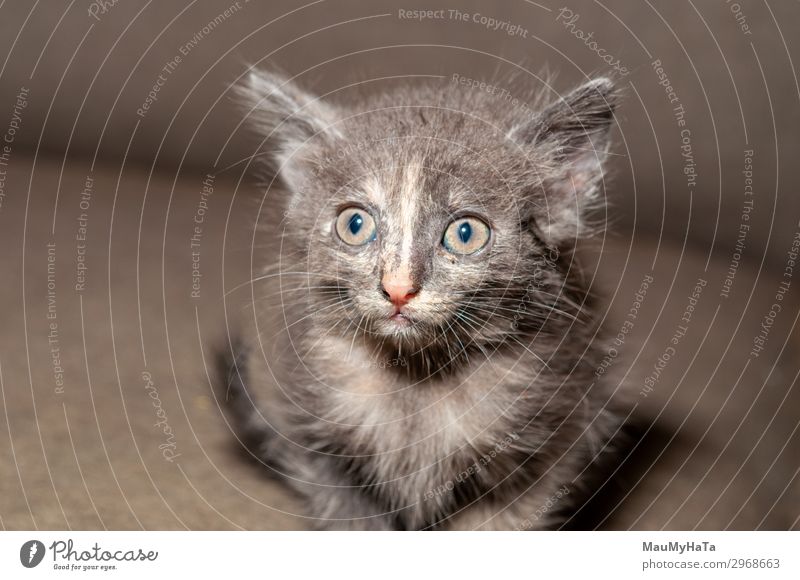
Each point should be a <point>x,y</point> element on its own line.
<point>740,91</point>
<point>724,446</point>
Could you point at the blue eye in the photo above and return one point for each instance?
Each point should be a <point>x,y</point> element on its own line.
<point>466,236</point>
<point>355,226</point>
<point>464,232</point>
<point>355,223</point>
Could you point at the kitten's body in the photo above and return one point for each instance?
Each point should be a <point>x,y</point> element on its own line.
<point>478,411</point>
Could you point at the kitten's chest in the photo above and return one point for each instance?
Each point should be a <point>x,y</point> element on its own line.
<point>419,448</point>
<point>379,410</point>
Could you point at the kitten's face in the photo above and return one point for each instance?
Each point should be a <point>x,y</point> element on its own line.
<point>430,217</point>
<point>414,241</point>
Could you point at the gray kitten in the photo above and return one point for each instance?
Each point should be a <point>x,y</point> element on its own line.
<point>431,362</point>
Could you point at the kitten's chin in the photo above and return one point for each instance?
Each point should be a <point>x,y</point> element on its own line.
<point>399,325</point>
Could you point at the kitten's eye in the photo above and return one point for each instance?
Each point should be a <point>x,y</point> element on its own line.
<point>466,236</point>
<point>355,226</point>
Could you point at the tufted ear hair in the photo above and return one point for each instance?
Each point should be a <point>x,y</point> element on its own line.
<point>287,118</point>
<point>572,137</point>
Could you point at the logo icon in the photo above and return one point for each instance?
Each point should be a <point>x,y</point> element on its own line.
<point>31,553</point>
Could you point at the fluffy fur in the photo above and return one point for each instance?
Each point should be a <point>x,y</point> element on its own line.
<point>481,410</point>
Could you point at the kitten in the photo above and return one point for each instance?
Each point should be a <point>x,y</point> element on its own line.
<point>431,363</point>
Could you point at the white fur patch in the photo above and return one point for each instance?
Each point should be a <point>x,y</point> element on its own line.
<point>409,193</point>
<point>374,191</point>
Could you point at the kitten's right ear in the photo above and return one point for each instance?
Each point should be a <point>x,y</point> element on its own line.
<point>573,137</point>
<point>286,117</point>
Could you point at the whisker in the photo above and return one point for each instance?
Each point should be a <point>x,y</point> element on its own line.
<point>307,316</point>
<point>536,356</point>
<point>536,311</point>
<point>279,274</point>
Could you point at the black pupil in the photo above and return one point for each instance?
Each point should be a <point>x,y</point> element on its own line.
<point>355,223</point>
<point>464,232</point>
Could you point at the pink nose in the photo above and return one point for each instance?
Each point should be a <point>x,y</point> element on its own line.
<point>398,289</point>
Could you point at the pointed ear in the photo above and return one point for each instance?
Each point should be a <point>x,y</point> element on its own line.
<point>571,138</point>
<point>286,118</point>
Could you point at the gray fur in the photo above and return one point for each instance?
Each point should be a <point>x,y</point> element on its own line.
<point>475,415</point>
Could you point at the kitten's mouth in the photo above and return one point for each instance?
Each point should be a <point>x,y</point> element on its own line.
<point>400,319</point>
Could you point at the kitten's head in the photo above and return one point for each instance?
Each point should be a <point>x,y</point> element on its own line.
<point>439,216</point>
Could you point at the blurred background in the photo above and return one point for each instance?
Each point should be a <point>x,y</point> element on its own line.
<point>119,131</point>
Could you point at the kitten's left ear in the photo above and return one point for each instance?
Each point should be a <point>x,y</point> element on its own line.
<point>571,137</point>
<point>287,117</point>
